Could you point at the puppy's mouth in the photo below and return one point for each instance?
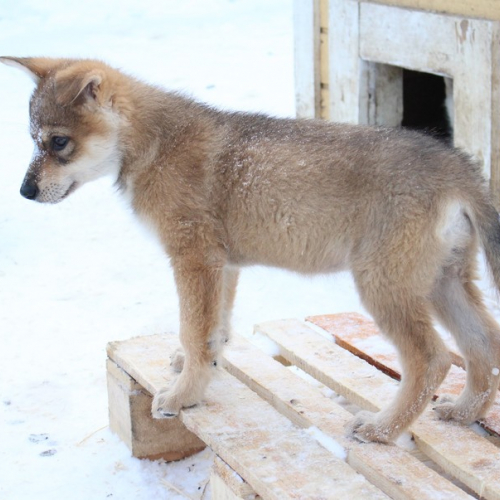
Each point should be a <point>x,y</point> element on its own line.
<point>73,186</point>
<point>51,194</point>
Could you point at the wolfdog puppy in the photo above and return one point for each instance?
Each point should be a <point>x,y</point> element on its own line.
<point>403,212</point>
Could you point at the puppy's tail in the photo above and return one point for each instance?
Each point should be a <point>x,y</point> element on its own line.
<point>487,222</point>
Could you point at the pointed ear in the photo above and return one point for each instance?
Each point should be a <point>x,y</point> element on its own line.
<point>36,67</point>
<point>73,84</point>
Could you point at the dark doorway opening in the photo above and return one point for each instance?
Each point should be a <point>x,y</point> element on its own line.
<point>424,108</point>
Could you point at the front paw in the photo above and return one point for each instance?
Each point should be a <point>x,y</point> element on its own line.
<point>164,405</point>
<point>365,428</point>
<point>167,403</point>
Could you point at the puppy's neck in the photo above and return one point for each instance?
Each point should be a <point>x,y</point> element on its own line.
<point>164,136</point>
<point>153,120</point>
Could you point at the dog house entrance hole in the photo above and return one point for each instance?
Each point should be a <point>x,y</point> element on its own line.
<point>424,104</point>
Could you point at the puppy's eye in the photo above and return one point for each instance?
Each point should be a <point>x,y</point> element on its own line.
<point>59,142</point>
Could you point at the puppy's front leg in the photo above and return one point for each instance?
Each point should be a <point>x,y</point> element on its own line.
<point>200,289</point>
<point>221,336</point>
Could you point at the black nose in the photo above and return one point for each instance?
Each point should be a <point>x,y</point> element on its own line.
<point>29,189</point>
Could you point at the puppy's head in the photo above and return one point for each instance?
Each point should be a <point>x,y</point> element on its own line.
<point>73,123</point>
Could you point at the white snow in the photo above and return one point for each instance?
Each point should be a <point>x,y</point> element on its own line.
<point>79,274</point>
<point>327,442</point>
<point>265,344</point>
<point>406,441</point>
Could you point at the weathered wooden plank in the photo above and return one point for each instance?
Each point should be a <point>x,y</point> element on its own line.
<point>394,471</point>
<point>486,9</point>
<point>324,61</point>
<point>344,62</point>
<point>306,15</point>
<point>220,490</point>
<point>276,458</point>
<point>382,101</point>
<point>130,418</point>
<point>495,113</point>
<point>456,448</point>
<point>228,484</point>
<point>360,336</point>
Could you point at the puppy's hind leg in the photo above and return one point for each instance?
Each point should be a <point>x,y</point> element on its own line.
<point>459,307</point>
<point>405,319</point>
<point>200,289</point>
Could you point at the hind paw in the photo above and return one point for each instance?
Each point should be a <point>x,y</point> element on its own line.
<point>177,360</point>
<point>447,408</point>
<point>366,428</point>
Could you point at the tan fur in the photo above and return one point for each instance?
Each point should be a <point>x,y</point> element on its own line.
<point>223,190</point>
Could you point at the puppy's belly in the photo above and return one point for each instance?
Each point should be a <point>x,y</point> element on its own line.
<point>305,263</point>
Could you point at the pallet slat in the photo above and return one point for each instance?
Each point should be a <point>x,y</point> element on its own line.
<point>226,484</point>
<point>276,458</point>
<point>457,449</point>
<point>393,470</point>
<point>358,334</point>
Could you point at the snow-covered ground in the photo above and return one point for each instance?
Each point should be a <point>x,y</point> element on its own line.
<point>77,275</point>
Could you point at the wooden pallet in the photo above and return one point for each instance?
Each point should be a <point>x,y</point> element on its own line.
<point>279,436</point>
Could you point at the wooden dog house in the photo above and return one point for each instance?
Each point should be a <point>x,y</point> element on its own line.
<point>351,54</point>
